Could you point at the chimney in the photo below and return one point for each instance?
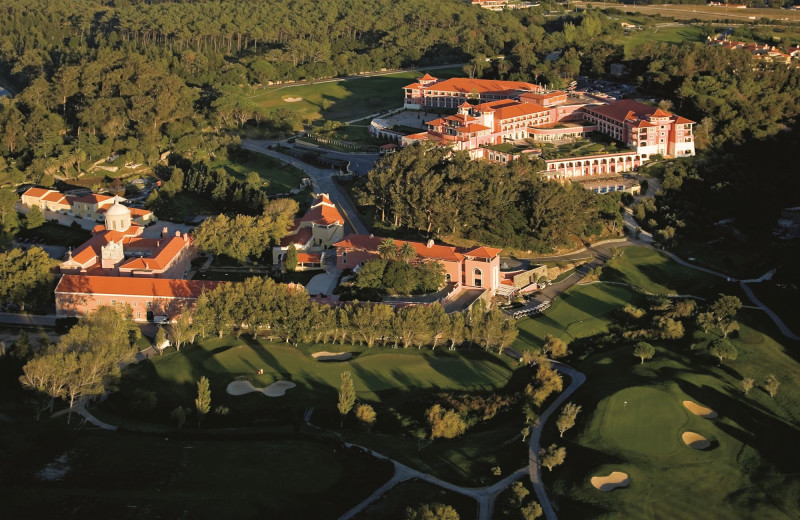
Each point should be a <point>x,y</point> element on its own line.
<point>371,235</point>
<point>164,232</point>
<point>177,233</point>
<point>429,244</point>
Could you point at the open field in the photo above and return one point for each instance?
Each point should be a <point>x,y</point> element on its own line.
<point>123,475</point>
<point>348,99</point>
<point>703,12</point>
<point>412,493</point>
<point>281,176</point>
<point>634,420</point>
<point>677,35</point>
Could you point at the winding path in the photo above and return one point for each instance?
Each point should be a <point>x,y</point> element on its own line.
<point>577,379</point>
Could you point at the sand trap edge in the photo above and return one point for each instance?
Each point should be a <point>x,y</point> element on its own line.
<point>332,356</point>
<point>700,410</point>
<point>614,480</point>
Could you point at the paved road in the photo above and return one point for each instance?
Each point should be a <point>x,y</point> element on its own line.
<point>577,379</point>
<point>46,320</point>
<point>779,322</point>
<point>321,180</point>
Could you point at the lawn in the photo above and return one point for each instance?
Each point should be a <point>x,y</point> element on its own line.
<point>632,421</point>
<point>654,272</point>
<point>348,99</point>
<point>412,493</point>
<point>281,176</point>
<point>56,235</point>
<point>676,35</point>
<point>580,312</point>
<point>185,204</point>
<point>181,476</point>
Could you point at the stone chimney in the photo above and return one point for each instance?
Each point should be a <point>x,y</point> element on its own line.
<point>177,233</point>
<point>164,232</point>
<point>429,244</point>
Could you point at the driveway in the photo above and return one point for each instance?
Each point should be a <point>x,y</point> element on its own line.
<point>321,180</point>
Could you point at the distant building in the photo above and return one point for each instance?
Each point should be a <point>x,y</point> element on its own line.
<point>90,207</point>
<point>117,249</point>
<point>313,233</point>
<point>473,268</point>
<point>647,129</point>
<point>429,91</point>
<point>77,295</point>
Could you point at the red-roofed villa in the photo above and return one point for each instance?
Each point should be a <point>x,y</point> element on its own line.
<point>312,234</point>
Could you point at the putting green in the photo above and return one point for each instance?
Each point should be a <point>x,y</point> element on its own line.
<point>640,419</point>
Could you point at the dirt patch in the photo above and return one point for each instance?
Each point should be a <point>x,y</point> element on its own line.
<point>293,99</point>
<point>332,356</point>
<point>276,389</point>
<point>611,481</point>
<point>700,410</point>
<point>695,440</point>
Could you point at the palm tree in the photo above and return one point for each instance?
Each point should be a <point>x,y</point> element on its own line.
<point>388,249</point>
<point>407,252</point>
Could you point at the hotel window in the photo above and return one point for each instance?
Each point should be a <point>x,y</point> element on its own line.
<point>113,302</point>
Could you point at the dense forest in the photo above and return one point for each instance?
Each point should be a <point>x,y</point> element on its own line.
<point>136,79</point>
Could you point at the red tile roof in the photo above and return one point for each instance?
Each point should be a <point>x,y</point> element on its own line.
<point>482,86</point>
<point>520,109</point>
<point>371,243</point>
<point>472,127</point>
<point>94,199</point>
<point>302,236</point>
<point>130,286</point>
<point>309,258</point>
<point>56,197</point>
<point>626,109</point>
<point>324,214</point>
<point>427,77</point>
<point>322,198</point>
<point>483,252</point>
<point>161,258</point>
<point>35,192</point>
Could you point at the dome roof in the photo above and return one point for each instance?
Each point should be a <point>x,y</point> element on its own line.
<point>118,210</point>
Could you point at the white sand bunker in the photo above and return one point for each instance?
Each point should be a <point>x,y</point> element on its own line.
<point>276,389</point>
<point>695,440</point>
<point>332,356</point>
<point>697,409</point>
<point>293,99</point>
<point>612,481</point>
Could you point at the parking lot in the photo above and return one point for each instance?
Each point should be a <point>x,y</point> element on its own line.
<point>608,90</point>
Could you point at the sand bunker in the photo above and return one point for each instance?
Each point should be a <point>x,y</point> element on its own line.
<point>332,356</point>
<point>695,440</point>
<point>276,389</point>
<point>697,409</point>
<point>611,481</point>
<point>293,99</point>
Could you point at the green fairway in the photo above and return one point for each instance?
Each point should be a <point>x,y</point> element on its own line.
<point>747,471</point>
<point>142,476</point>
<point>654,272</point>
<point>281,176</point>
<point>580,312</point>
<point>346,100</point>
<point>377,374</point>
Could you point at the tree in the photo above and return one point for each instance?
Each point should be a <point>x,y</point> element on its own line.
<point>567,418</point>
<point>366,414</point>
<point>435,511</point>
<point>531,511</point>
<point>552,456</point>
<point>179,415</point>
<point>181,330</point>
<point>34,218</point>
<point>388,249</point>
<point>203,402</point>
<point>723,349</point>
<point>644,350</point>
<point>446,424</point>
<point>347,395</point>
<point>554,347</point>
<point>161,338</point>
<point>26,277</point>
<point>771,385</point>
<point>406,253</point>
<point>291,258</point>
<point>86,362</point>
<point>747,384</point>
<point>723,310</point>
